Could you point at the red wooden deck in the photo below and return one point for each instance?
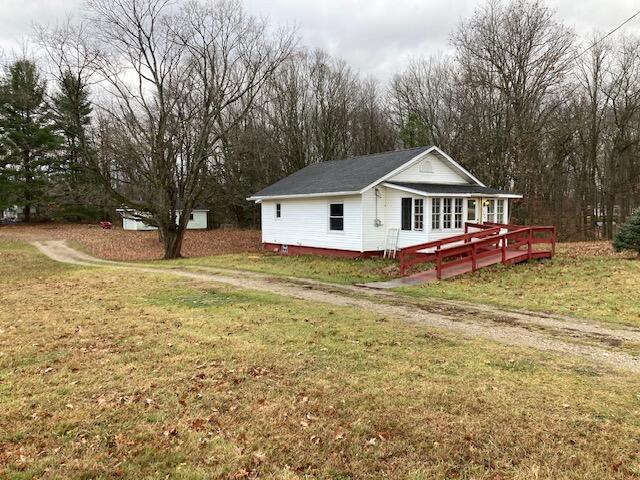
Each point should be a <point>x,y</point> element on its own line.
<point>481,246</point>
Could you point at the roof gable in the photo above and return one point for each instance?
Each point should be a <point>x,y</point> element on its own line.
<point>430,168</point>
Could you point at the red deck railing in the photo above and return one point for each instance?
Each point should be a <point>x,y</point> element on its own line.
<point>488,240</point>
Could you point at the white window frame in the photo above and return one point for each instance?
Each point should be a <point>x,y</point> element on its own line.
<point>415,213</point>
<point>436,213</point>
<point>474,209</point>
<point>278,211</point>
<point>500,211</point>
<point>458,213</point>
<point>447,213</point>
<point>491,210</point>
<point>335,216</point>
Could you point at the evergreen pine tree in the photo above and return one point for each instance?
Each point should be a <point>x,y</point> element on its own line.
<point>26,134</point>
<point>628,238</point>
<point>414,132</point>
<point>72,114</point>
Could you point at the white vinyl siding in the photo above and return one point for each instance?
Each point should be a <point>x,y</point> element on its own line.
<point>197,221</point>
<point>305,222</point>
<point>437,170</point>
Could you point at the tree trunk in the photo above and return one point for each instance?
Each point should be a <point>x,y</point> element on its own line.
<point>172,240</point>
<point>26,213</point>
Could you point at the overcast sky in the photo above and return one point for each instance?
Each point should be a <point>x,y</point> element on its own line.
<point>376,37</point>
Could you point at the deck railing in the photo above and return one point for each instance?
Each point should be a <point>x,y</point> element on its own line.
<point>505,241</point>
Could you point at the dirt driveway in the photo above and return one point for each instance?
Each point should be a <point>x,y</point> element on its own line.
<point>603,345</point>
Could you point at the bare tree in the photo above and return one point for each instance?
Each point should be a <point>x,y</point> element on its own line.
<point>519,51</point>
<point>175,78</point>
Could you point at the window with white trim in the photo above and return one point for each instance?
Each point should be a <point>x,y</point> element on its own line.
<point>472,205</point>
<point>446,213</point>
<point>336,217</point>
<point>418,214</point>
<point>457,213</point>
<point>278,210</point>
<point>500,213</point>
<point>435,213</point>
<point>491,211</point>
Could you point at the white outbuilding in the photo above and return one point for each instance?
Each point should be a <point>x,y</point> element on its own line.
<point>361,205</point>
<point>131,219</point>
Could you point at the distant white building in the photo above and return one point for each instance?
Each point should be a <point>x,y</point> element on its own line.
<point>131,219</point>
<point>15,213</point>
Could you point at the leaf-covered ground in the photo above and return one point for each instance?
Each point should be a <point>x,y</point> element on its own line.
<point>112,374</point>
<point>118,244</point>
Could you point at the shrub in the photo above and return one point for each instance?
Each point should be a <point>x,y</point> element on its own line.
<point>628,238</point>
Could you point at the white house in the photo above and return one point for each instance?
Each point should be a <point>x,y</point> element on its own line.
<point>351,207</point>
<point>131,220</point>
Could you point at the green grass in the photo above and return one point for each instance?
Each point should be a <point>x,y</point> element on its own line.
<point>113,374</point>
<point>597,287</point>
<point>326,269</point>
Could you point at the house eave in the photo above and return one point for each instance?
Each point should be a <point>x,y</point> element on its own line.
<point>261,198</point>
<point>462,195</point>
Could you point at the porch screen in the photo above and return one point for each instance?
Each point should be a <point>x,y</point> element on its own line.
<point>406,213</point>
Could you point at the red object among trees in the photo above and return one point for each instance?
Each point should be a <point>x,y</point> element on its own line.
<point>106,225</point>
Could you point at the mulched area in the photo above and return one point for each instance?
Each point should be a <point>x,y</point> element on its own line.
<point>118,244</point>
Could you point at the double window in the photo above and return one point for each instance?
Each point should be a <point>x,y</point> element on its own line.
<point>412,214</point>
<point>495,210</point>
<point>447,213</point>
<point>336,217</point>
<point>278,210</point>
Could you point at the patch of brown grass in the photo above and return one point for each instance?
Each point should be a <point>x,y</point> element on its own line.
<point>112,374</point>
<point>119,244</point>
<point>588,249</point>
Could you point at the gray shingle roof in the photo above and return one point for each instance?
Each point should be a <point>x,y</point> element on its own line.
<point>348,175</point>
<point>432,188</point>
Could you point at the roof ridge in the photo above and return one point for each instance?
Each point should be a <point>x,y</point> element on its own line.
<point>370,155</point>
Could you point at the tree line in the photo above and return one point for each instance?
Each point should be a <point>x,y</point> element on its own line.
<point>159,106</point>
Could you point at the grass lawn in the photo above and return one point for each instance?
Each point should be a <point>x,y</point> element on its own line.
<point>326,269</point>
<point>112,374</point>
<point>583,280</point>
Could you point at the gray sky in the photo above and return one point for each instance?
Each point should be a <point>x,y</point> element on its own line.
<point>376,37</point>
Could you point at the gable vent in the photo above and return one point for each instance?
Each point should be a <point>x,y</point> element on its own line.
<point>426,167</point>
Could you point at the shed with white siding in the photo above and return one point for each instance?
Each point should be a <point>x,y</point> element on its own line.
<point>134,220</point>
<point>356,206</point>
